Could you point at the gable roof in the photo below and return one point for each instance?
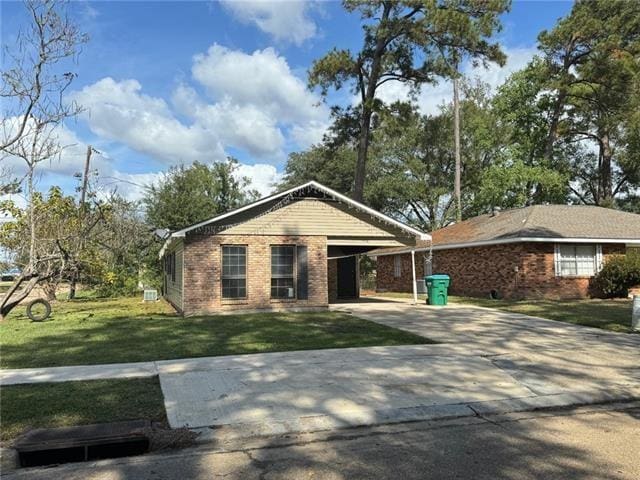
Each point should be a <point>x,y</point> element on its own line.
<point>537,223</point>
<point>302,189</point>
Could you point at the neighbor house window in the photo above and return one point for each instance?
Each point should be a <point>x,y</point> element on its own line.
<point>234,271</point>
<point>397,266</point>
<point>283,271</point>
<point>577,260</point>
<point>428,266</point>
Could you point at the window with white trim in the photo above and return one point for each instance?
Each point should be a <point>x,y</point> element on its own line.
<point>577,260</point>
<point>428,266</point>
<point>397,266</point>
<point>283,271</point>
<point>234,271</point>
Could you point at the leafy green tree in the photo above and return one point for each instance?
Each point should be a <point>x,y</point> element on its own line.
<point>411,41</point>
<point>586,93</point>
<point>188,195</point>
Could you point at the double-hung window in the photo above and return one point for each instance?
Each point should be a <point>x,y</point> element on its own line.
<point>575,260</point>
<point>234,271</point>
<point>283,271</point>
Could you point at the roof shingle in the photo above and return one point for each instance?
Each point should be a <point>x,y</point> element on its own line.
<point>538,221</point>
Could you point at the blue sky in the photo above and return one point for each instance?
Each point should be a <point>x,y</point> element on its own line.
<point>165,83</point>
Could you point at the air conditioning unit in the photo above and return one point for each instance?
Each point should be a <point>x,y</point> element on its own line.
<point>420,286</point>
<point>150,295</point>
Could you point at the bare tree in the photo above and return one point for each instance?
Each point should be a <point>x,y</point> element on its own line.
<point>33,107</point>
<point>31,87</point>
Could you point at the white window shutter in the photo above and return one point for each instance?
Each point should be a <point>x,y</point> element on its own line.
<point>598,258</point>
<point>556,259</point>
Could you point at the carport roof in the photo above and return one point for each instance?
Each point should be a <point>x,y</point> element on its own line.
<point>537,223</point>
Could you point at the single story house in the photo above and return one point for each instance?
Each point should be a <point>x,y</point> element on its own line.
<point>296,249</point>
<point>541,251</point>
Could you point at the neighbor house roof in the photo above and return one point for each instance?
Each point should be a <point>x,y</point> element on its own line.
<point>537,223</point>
<point>315,186</point>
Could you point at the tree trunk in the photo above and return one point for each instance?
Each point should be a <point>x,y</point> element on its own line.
<point>606,183</point>
<point>13,297</point>
<point>367,107</point>
<point>363,148</point>
<point>456,136</point>
<point>552,136</point>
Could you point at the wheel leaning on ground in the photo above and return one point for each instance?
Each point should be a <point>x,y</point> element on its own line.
<point>36,315</point>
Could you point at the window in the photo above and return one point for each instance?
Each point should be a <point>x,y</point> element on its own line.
<point>173,267</point>
<point>234,271</point>
<point>397,266</point>
<point>577,260</point>
<point>282,271</point>
<point>428,266</point>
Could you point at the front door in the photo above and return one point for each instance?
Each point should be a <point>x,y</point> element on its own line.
<point>347,285</point>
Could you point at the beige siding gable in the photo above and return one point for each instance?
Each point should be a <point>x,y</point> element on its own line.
<point>316,217</point>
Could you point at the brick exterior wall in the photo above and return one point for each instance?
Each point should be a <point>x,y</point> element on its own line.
<point>386,281</point>
<point>332,279</point>
<point>203,268</point>
<point>516,270</point>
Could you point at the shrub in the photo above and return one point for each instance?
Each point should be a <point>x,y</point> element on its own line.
<point>618,275</point>
<point>115,284</point>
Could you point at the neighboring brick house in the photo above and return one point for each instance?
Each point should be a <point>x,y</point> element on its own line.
<point>293,250</point>
<point>542,251</point>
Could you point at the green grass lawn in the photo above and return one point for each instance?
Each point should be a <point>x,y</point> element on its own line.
<point>613,314</point>
<point>79,403</point>
<point>94,331</point>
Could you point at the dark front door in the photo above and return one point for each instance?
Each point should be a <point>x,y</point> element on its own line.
<point>347,277</point>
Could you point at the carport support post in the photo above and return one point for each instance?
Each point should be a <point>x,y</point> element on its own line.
<point>413,270</point>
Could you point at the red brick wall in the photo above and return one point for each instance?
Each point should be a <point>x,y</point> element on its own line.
<point>385,279</point>
<point>202,272</point>
<point>332,278</point>
<point>517,270</point>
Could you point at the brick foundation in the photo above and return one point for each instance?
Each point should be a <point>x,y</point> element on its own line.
<point>202,273</point>
<point>517,270</point>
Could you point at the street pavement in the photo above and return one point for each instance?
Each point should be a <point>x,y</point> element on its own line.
<point>588,443</point>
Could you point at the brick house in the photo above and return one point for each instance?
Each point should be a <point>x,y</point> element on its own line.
<point>541,251</point>
<point>296,250</point>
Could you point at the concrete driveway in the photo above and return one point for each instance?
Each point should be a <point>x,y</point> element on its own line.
<point>489,362</point>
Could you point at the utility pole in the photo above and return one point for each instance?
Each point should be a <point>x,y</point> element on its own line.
<point>85,176</point>
<point>456,136</point>
<point>83,198</point>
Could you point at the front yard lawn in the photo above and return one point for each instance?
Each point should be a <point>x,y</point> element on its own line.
<point>95,331</point>
<point>613,314</point>
<point>79,403</point>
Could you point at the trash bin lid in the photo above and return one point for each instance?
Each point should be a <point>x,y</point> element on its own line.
<point>438,276</point>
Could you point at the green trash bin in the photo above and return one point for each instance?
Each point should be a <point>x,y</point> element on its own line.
<point>437,289</point>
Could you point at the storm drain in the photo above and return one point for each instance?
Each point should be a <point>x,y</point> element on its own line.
<point>48,446</point>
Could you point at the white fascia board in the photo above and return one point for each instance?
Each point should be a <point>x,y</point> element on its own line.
<point>328,191</point>
<point>626,241</point>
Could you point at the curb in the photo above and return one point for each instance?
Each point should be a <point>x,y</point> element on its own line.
<point>321,423</point>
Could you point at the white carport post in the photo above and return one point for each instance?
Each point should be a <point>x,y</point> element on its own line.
<point>413,271</point>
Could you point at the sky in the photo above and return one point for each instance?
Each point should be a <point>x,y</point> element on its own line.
<point>168,83</point>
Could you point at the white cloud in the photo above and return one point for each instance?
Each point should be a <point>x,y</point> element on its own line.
<point>262,78</point>
<point>284,20</point>
<point>255,103</point>
<point>119,111</point>
<point>431,97</point>
<point>262,176</point>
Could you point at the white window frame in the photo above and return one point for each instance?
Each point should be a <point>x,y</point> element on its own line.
<point>597,266</point>
<point>397,266</point>
<point>428,266</point>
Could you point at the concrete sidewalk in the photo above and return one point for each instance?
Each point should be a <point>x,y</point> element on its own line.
<point>490,362</point>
